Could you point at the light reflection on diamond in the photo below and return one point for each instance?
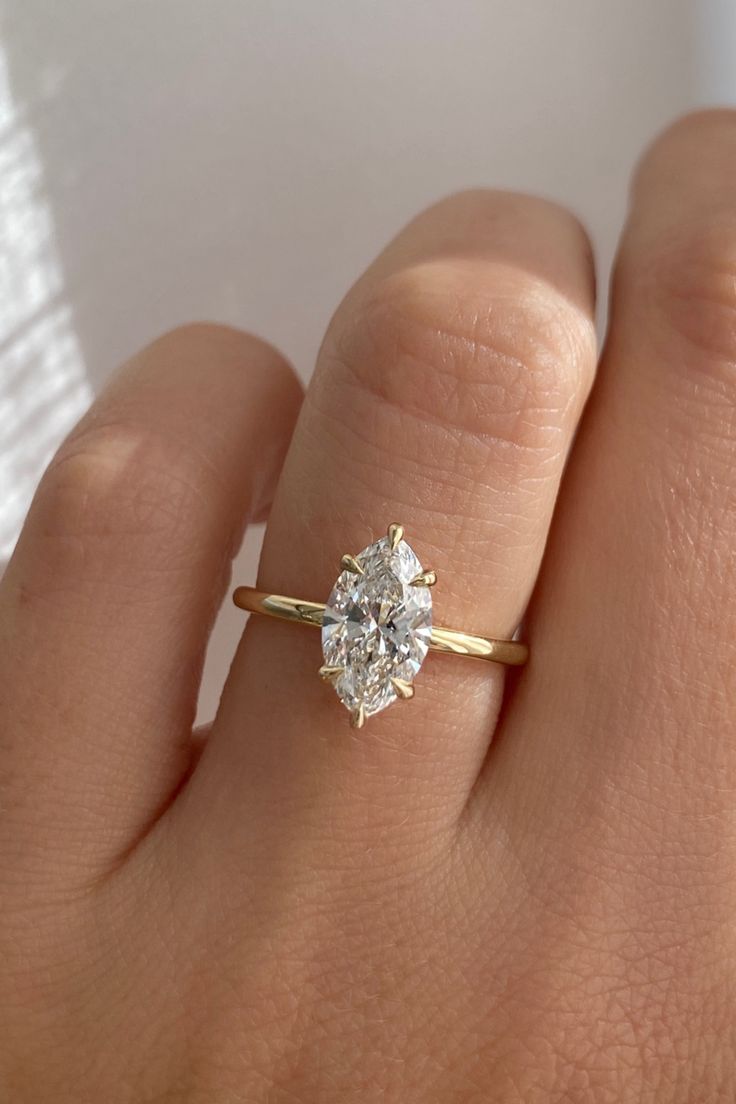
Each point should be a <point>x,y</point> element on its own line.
<point>377,626</point>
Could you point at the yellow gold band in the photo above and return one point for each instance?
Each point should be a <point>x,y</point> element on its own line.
<point>510,652</point>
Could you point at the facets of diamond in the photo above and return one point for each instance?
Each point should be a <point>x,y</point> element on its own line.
<point>377,626</point>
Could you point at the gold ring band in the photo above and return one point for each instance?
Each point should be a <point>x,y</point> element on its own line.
<point>512,653</point>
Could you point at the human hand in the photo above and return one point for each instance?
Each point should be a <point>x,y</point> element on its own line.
<point>456,903</point>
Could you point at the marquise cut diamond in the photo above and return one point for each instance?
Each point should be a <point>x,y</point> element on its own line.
<point>377,626</point>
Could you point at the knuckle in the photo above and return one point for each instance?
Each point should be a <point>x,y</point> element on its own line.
<point>238,359</point>
<point>696,132</point>
<point>479,348</point>
<point>483,208</point>
<point>115,481</point>
<point>195,337</point>
<point>689,283</point>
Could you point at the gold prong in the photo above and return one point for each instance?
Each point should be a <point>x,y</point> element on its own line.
<point>403,689</point>
<point>425,578</point>
<point>351,564</point>
<point>357,719</point>
<point>330,673</point>
<point>395,534</point>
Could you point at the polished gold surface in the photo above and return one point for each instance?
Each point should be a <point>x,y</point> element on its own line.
<point>510,652</point>
<point>351,564</point>
<point>404,689</point>
<point>425,578</point>
<point>395,534</point>
<point>329,673</point>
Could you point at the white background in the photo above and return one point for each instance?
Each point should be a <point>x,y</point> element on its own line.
<point>241,160</point>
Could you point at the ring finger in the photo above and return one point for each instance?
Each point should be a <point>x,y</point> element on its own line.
<point>446,395</point>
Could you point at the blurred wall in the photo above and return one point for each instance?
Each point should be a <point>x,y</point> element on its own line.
<point>242,160</point>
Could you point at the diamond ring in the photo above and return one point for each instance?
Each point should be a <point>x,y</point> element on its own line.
<point>377,626</point>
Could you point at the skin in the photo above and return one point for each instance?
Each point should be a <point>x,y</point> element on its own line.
<point>516,888</point>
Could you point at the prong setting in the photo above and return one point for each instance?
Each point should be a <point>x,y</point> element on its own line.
<point>395,535</point>
<point>424,579</point>
<point>349,563</point>
<point>404,689</point>
<point>329,674</point>
<point>377,626</point>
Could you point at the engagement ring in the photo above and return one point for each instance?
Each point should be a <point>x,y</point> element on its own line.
<point>377,626</point>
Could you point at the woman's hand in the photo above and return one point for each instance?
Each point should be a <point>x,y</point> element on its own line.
<point>457,903</point>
